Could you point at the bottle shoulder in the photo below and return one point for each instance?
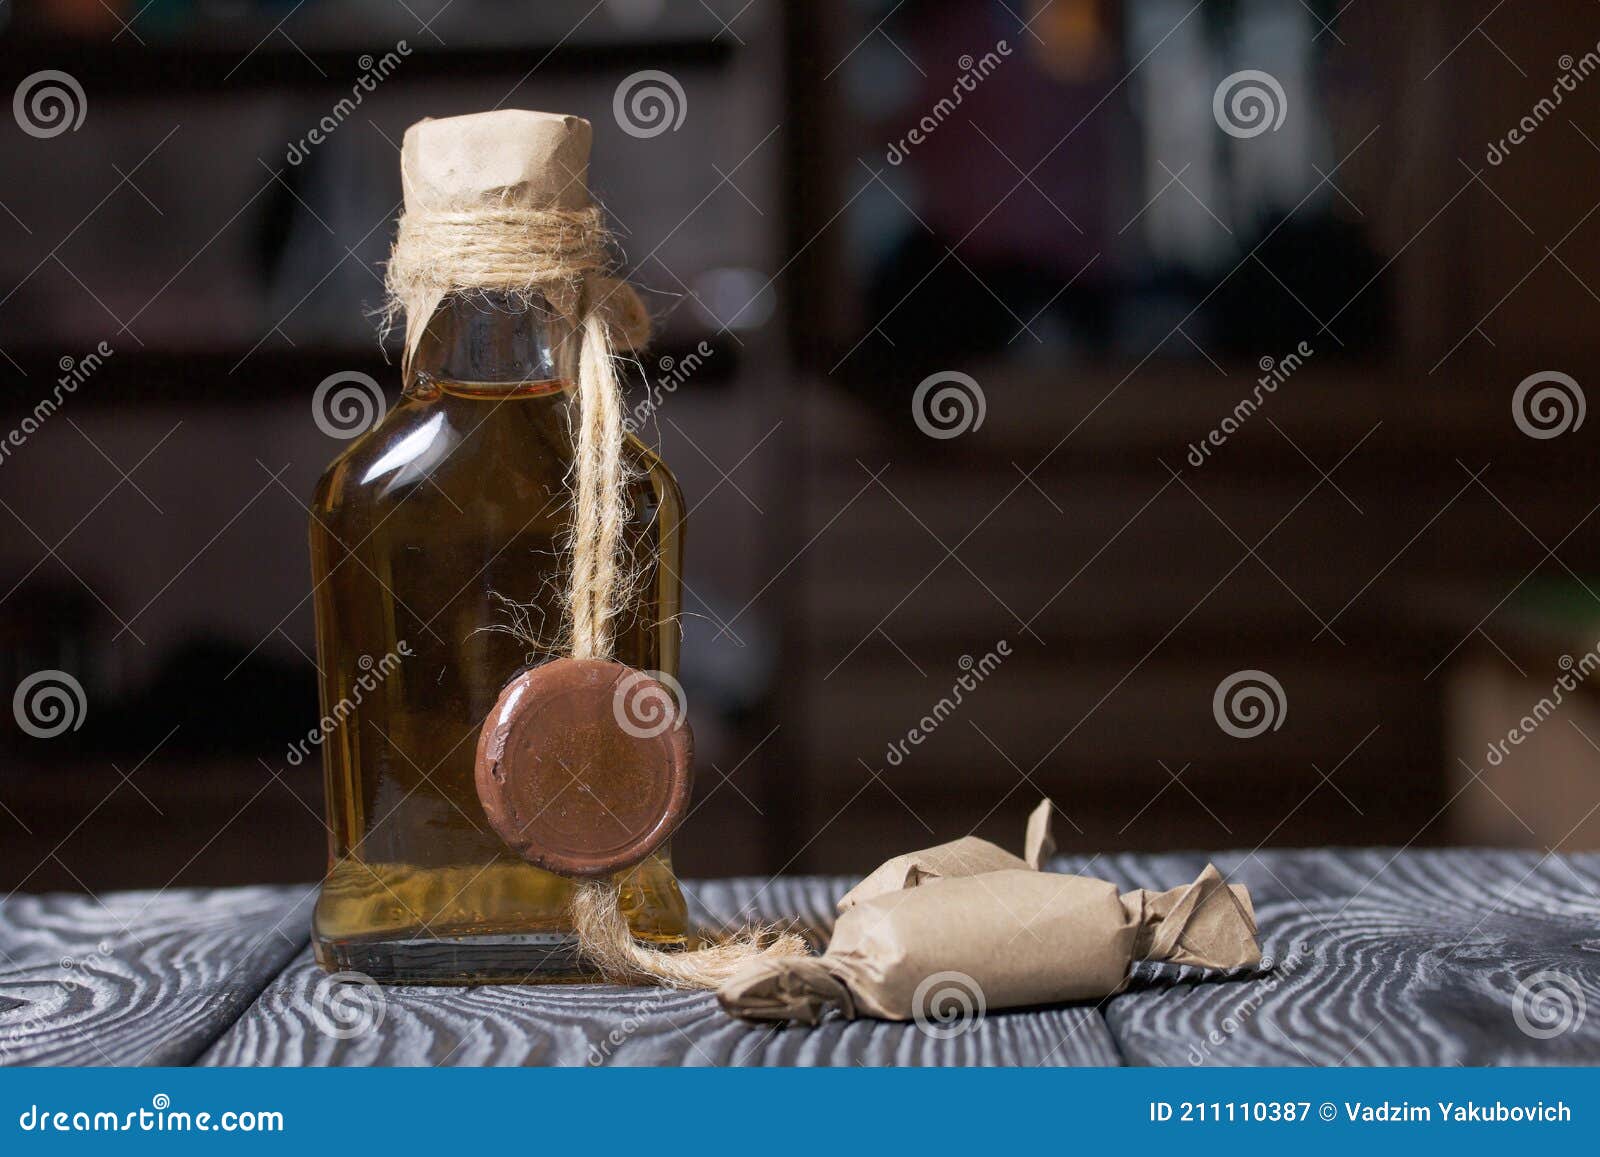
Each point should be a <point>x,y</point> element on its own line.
<point>659,476</point>
<point>446,448</point>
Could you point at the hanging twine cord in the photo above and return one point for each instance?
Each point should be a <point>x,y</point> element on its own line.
<point>598,581</point>
<point>562,257</point>
<point>609,944</point>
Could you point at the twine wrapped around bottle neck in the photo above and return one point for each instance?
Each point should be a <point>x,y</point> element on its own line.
<point>558,254</point>
<point>561,256</point>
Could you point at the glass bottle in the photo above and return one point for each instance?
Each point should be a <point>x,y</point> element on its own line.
<point>436,548</point>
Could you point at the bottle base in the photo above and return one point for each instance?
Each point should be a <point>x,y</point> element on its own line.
<point>525,958</point>
<point>501,923</point>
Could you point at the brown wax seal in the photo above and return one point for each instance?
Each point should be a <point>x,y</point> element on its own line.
<point>584,765</point>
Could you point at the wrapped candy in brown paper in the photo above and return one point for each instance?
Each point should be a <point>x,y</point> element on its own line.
<point>968,856</point>
<point>971,856</point>
<point>1016,935</point>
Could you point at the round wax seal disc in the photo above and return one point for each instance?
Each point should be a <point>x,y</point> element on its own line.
<point>584,766</point>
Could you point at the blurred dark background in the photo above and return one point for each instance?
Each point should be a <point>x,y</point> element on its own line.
<point>1107,247</point>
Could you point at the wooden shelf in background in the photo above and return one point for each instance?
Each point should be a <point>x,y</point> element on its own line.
<point>167,376</point>
<point>221,66</point>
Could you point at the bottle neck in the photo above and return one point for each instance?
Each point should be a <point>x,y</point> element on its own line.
<point>490,339</point>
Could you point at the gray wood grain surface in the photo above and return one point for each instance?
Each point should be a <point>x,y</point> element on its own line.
<point>1420,958</point>
<point>1379,957</point>
<point>138,978</point>
<point>297,1019</point>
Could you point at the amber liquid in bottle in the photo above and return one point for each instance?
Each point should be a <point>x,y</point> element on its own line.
<point>440,533</point>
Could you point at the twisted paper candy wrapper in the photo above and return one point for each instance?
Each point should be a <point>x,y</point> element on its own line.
<point>1019,935</point>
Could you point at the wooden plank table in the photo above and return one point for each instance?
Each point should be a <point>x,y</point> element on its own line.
<point>1377,957</point>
